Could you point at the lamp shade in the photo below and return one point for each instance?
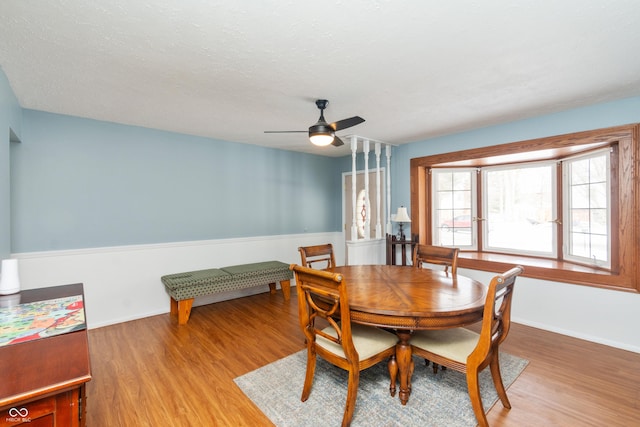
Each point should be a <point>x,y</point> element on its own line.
<point>401,215</point>
<point>9,280</point>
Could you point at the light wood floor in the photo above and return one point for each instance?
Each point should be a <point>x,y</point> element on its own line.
<point>152,372</point>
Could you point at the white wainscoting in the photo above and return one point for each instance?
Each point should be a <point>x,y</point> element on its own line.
<point>123,283</point>
<point>366,252</point>
<point>600,315</point>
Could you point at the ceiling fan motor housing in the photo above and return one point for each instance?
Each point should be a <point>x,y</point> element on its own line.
<point>321,128</point>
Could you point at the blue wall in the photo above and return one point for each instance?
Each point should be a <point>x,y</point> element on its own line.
<point>10,115</point>
<point>79,183</point>
<point>82,183</point>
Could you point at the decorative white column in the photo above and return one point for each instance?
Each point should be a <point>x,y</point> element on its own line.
<point>367,205</point>
<point>388,153</point>
<point>378,221</point>
<point>354,225</point>
<point>365,249</point>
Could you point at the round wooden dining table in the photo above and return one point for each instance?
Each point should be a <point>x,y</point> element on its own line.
<point>406,299</point>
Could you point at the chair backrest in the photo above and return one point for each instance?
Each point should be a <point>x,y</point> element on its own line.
<point>316,256</point>
<point>439,255</point>
<point>322,294</point>
<point>496,318</point>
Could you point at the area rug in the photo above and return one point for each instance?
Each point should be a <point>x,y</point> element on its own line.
<point>436,400</point>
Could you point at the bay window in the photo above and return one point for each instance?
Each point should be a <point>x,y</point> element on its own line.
<point>564,207</point>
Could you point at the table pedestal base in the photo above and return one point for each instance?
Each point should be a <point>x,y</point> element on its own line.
<point>405,365</point>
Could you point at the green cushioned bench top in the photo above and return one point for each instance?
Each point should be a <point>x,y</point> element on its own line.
<point>256,268</point>
<point>235,273</point>
<point>191,278</point>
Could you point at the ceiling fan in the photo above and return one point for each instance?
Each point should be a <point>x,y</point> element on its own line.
<point>323,133</point>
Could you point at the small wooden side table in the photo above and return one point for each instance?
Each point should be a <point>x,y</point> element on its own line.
<point>43,380</point>
<point>405,245</point>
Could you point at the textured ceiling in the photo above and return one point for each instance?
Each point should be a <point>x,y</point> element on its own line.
<point>232,69</point>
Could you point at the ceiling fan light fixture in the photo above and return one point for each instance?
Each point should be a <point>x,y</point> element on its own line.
<point>321,134</point>
<point>321,139</point>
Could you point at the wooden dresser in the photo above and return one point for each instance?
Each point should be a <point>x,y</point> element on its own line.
<point>42,381</point>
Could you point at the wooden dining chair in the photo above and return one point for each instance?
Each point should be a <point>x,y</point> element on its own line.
<point>318,256</point>
<point>352,347</point>
<point>435,255</point>
<point>438,255</point>
<point>469,352</point>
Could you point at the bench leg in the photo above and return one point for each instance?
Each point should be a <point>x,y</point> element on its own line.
<point>286,288</point>
<point>181,309</point>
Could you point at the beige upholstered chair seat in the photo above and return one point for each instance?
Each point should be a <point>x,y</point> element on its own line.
<point>455,344</point>
<point>367,340</point>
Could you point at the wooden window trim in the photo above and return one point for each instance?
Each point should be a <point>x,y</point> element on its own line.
<point>625,239</point>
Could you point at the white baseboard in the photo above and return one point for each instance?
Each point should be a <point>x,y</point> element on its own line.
<point>574,334</point>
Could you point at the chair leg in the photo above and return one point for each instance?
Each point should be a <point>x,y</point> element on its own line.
<point>497,381</point>
<point>308,378</point>
<point>412,367</point>
<point>352,394</point>
<point>436,367</point>
<point>473,386</point>
<point>392,364</point>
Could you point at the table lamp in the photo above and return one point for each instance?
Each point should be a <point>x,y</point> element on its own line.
<point>401,217</point>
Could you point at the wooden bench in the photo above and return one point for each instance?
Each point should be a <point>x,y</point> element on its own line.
<point>184,287</point>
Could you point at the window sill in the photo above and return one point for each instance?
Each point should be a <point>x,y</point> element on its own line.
<point>547,269</point>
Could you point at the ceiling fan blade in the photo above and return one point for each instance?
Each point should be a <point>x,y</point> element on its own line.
<point>337,142</point>
<point>346,123</point>
<point>285,131</point>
